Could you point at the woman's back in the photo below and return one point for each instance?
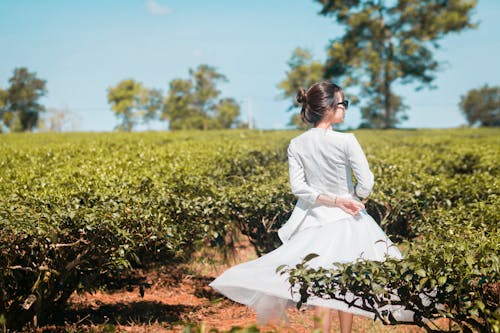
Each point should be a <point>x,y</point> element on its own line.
<point>326,158</point>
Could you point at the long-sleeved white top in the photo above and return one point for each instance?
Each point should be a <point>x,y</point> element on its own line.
<point>320,162</point>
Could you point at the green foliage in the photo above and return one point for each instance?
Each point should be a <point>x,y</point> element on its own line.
<point>19,106</point>
<point>386,43</point>
<point>132,102</point>
<point>226,111</point>
<point>441,171</point>
<point>303,72</point>
<point>3,102</point>
<point>76,209</point>
<point>482,106</point>
<point>438,191</point>
<point>438,278</point>
<point>194,103</point>
<point>3,99</point>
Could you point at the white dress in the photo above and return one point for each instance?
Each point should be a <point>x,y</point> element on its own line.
<point>320,162</point>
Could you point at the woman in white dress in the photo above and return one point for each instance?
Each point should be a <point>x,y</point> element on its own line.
<point>329,218</point>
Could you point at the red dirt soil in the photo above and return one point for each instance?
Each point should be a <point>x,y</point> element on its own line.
<point>172,299</point>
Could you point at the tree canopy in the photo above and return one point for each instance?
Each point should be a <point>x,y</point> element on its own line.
<point>3,102</point>
<point>194,103</point>
<point>482,106</point>
<point>390,42</point>
<point>19,103</point>
<point>303,72</point>
<point>132,102</point>
<point>384,43</point>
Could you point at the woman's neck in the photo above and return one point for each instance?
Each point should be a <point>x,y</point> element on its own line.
<point>324,125</point>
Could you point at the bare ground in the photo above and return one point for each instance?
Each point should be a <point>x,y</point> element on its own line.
<point>163,300</point>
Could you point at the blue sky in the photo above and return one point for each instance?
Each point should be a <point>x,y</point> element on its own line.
<point>83,47</point>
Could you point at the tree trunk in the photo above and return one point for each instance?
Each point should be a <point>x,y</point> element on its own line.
<point>388,107</point>
<point>387,100</point>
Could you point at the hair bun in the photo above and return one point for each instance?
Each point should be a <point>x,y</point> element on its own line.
<point>301,96</point>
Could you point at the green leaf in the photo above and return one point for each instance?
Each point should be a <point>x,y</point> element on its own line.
<point>280,267</point>
<point>421,272</point>
<point>442,280</point>
<point>310,256</point>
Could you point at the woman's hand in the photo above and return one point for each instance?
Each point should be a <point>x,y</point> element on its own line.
<point>349,206</point>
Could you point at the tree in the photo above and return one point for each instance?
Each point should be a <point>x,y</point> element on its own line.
<point>131,102</point>
<point>3,103</point>
<point>179,107</point>
<point>205,86</point>
<point>151,100</point>
<point>386,43</point>
<point>58,119</point>
<point>21,109</point>
<point>303,72</point>
<point>482,106</point>
<point>194,103</point>
<point>226,111</point>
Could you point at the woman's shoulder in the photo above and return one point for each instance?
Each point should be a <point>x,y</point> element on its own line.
<point>315,132</point>
<point>302,136</point>
<point>323,136</point>
<point>342,135</point>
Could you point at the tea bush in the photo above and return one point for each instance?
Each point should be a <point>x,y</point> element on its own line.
<point>77,208</point>
<point>444,189</point>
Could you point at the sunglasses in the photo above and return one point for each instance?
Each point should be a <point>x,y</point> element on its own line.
<point>345,103</point>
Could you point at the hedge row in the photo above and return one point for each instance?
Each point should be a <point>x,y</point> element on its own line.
<point>443,190</point>
<point>77,208</point>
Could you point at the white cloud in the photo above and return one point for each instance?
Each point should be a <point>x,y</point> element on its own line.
<point>157,9</point>
<point>197,53</point>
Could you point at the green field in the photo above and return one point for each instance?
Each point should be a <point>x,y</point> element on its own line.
<point>77,207</point>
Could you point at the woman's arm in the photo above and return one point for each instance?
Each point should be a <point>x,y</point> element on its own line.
<point>298,181</point>
<point>349,206</point>
<point>360,167</point>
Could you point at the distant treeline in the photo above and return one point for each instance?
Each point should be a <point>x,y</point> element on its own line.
<point>384,44</point>
<point>192,103</point>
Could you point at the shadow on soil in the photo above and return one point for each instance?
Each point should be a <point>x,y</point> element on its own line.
<point>142,312</point>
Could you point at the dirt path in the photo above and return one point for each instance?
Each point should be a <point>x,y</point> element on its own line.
<point>168,305</point>
<point>162,300</point>
<point>166,301</point>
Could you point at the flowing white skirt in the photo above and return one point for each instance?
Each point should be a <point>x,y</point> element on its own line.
<point>256,284</point>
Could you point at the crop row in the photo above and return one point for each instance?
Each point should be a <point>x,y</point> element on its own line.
<point>439,192</point>
<point>77,208</point>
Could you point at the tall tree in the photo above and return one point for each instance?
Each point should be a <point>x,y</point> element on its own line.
<point>389,42</point>
<point>132,102</point>
<point>303,71</point>
<point>205,80</point>
<point>21,108</point>
<point>179,107</point>
<point>3,103</point>
<point>226,111</point>
<point>482,106</point>
<point>58,120</point>
<point>194,103</point>
<point>151,101</point>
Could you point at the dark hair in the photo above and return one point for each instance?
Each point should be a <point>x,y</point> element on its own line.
<point>317,99</point>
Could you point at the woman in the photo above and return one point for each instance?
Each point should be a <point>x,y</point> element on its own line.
<point>329,218</point>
